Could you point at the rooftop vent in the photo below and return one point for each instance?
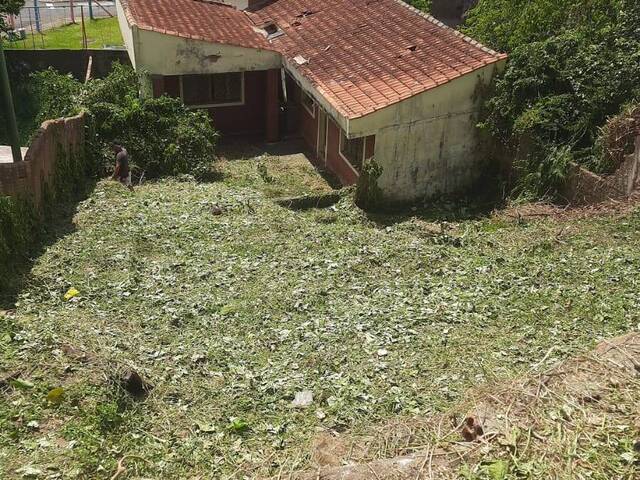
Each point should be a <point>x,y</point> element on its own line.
<point>270,30</point>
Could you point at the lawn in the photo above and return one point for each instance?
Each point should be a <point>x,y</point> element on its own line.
<point>229,316</point>
<point>100,33</point>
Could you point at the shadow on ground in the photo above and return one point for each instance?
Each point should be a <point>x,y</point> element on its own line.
<point>454,209</point>
<point>481,200</point>
<point>57,224</point>
<point>231,149</point>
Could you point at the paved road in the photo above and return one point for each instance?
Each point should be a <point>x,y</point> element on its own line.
<point>56,13</point>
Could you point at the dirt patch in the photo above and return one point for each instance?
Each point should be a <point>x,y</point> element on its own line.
<point>531,211</point>
<point>531,419</point>
<point>315,201</point>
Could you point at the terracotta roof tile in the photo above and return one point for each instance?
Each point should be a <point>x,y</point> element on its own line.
<point>195,19</point>
<point>386,49</point>
<point>363,55</point>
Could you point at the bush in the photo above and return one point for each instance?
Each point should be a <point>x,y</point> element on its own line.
<point>162,136</point>
<point>573,64</point>
<point>508,24</point>
<point>617,138</point>
<point>18,226</point>
<point>25,103</point>
<point>55,95</point>
<point>542,178</point>
<point>424,5</point>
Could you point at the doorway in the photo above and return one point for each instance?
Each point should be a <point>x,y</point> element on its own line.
<point>321,148</point>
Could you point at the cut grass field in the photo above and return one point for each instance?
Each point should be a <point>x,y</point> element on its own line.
<point>230,316</point>
<point>100,33</point>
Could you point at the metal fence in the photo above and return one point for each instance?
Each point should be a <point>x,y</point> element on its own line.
<point>28,30</point>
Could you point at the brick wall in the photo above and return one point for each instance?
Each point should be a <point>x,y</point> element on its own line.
<point>585,187</point>
<point>37,170</point>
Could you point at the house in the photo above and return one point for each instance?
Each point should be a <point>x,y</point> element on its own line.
<point>357,79</point>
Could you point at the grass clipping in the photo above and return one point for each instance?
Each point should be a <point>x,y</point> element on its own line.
<point>566,422</point>
<point>232,306</point>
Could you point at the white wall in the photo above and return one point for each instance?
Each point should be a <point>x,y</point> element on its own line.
<point>161,54</point>
<point>128,33</point>
<point>427,145</point>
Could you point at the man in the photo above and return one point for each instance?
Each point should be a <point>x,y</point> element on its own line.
<point>122,172</point>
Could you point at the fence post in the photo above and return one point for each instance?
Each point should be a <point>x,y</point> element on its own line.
<point>73,14</point>
<point>33,35</point>
<point>36,10</point>
<point>5,91</point>
<point>85,43</point>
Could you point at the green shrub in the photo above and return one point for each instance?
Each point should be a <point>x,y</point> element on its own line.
<point>542,178</point>
<point>18,231</point>
<point>120,87</point>
<point>424,5</point>
<point>508,24</point>
<point>25,104</point>
<point>162,136</point>
<point>617,138</point>
<point>9,7</point>
<point>573,64</point>
<point>55,95</point>
<point>368,193</point>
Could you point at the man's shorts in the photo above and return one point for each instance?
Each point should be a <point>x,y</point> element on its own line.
<point>126,180</point>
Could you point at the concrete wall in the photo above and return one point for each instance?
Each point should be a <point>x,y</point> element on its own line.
<point>31,176</point>
<point>585,187</point>
<point>170,55</point>
<point>65,61</point>
<point>427,145</point>
<point>129,33</point>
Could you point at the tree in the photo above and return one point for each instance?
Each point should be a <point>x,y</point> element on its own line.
<point>9,7</point>
<point>573,64</point>
<point>507,24</point>
<point>424,5</point>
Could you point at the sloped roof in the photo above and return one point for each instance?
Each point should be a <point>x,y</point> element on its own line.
<point>361,55</point>
<point>195,19</point>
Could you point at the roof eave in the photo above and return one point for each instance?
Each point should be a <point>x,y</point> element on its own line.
<point>432,19</point>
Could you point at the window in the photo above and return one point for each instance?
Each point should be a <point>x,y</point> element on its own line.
<point>212,90</point>
<point>352,150</point>
<point>309,104</point>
